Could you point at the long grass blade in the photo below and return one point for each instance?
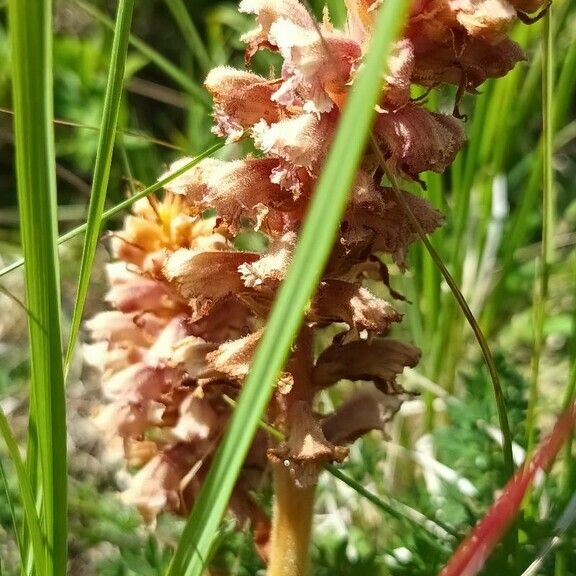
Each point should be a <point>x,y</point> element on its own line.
<point>190,34</point>
<point>172,71</point>
<point>568,473</point>
<point>565,522</point>
<point>104,152</point>
<point>120,207</point>
<point>31,44</point>
<point>26,499</point>
<point>311,253</point>
<point>397,509</point>
<point>547,255</point>
<point>497,386</point>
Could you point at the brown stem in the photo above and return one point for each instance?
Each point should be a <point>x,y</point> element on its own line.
<point>291,526</point>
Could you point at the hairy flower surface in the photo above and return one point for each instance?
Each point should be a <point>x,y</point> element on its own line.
<point>189,306</point>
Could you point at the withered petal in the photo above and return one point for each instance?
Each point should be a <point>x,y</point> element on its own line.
<point>301,140</point>
<point>388,229</point>
<point>241,99</point>
<point>267,12</point>
<point>306,449</point>
<point>363,412</point>
<point>156,487</point>
<point>197,420</point>
<point>235,189</point>
<point>340,301</point>
<point>378,360</point>
<point>210,275</point>
<point>417,140</point>
<point>232,359</point>
<point>272,266</point>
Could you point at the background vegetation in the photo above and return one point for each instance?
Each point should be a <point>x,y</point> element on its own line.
<point>443,458</point>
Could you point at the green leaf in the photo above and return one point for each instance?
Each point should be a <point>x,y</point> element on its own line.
<point>31,43</point>
<point>101,176</point>
<point>27,501</point>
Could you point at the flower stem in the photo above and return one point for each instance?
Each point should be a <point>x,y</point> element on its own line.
<point>291,526</point>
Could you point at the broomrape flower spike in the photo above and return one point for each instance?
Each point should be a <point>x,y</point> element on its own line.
<point>189,307</point>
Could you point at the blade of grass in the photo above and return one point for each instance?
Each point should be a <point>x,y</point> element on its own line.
<point>563,95</point>
<point>115,210</point>
<point>19,542</point>
<point>311,253</point>
<point>132,133</point>
<point>101,176</point>
<point>568,474</point>
<point>190,34</point>
<point>547,256</point>
<point>172,71</point>
<point>27,501</point>
<point>397,509</point>
<point>565,523</point>
<point>31,44</point>
<point>498,392</point>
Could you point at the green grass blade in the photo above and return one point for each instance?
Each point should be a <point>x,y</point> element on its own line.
<point>31,44</point>
<point>172,71</point>
<point>547,255</point>
<point>104,152</point>
<point>397,509</point>
<point>27,501</point>
<point>480,338</point>
<point>311,253</point>
<point>190,34</point>
<point>115,210</point>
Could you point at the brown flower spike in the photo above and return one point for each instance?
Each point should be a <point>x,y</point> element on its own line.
<point>189,305</point>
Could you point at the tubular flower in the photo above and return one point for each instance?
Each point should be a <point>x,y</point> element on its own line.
<point>189,306</point>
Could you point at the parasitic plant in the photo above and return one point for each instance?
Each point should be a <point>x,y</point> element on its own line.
<point>189,304</point>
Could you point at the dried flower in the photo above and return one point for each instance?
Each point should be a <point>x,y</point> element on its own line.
<point>189,307</point>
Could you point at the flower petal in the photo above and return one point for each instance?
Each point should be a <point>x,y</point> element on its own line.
<point>339,301</point>
<point>241,99</point>
<point>378,360</point>
<point>363,412</point>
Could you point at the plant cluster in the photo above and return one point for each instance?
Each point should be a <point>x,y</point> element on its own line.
<point>189,305</point>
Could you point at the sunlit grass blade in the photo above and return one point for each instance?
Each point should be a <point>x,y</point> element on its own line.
<point>103,163</point>
<point>172,71</point>
<point>132,133</point>
<point>8,498</point>
<point>189,33</point>
<point>547,251</point>
<point>27,501</point>
<point>31,44</point>
<point>498,392</point>
<point>311,253</point>
<point>397,509</point>
<point>120,207</point>
<point>563,96</point>
<point>473,552</point>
